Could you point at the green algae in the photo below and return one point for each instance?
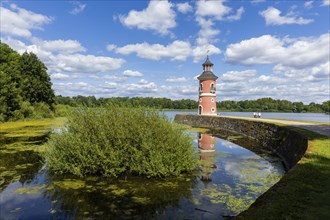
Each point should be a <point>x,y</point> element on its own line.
<point>142,200</point>
<point>168,184</point>
<point>199,130</point>
<point>70,184</point>
<point>234,138</point>
<point>119,192</point>
<point>231,197</point>
<point>24,166</point>
<point>8,173</point>
<point>21,143</point>
<point>34,190</point>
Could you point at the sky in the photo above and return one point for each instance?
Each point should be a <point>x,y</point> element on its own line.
<point>277,49</point>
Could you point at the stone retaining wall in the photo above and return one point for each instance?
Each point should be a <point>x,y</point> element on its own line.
<point>289,145</point>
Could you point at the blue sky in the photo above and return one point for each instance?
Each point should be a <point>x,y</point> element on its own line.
<point>277,49</point>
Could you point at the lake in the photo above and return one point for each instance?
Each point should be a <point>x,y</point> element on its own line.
<point>313,117</point>
<point>228,181</point>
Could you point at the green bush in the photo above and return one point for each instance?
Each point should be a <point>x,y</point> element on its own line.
<point>17,115</point>
<point>113,141</point>
<point>63,110</point>
<point>42,110</point>
<point>27,109</point>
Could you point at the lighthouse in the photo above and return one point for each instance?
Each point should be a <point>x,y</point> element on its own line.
<point>207,104</point>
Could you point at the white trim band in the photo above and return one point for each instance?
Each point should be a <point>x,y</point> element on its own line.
<point>207,94</point>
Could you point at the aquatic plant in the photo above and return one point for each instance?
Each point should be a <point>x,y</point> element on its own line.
<point>113,141</point>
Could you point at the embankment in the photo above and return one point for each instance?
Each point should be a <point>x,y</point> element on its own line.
<point>289,145</point>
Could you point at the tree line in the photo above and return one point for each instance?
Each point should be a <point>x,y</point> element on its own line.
<point>263,104</point>
<point>25,87</point>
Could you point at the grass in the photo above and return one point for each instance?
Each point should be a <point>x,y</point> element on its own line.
<point>304,192</point>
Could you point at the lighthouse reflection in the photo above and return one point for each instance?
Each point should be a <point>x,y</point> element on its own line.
<point>206,145</point>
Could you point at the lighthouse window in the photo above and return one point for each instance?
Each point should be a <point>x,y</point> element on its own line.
<point>212,110</point>
<point>201,87</point>
<point>212,88</point>
<point>212,100</point>
<point>200,100</point>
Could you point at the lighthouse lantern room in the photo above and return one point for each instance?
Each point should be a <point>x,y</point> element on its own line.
<point>207,90</point>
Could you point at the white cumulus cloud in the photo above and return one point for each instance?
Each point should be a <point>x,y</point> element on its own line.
<point>59,76</point>
<point>158,17</point>
<point>214,9</point>
<point>86,63</point>
<point>176,79</point>
<point>267,49</point>
<point>178,50</point>
<point>238,75</point>
<point>61,46</point>
<point>273,17</point>
<point>132,73</point>
<point>184,7</point>
<point>236,16</point>
<point>19,22</point>
<point>326,2</point>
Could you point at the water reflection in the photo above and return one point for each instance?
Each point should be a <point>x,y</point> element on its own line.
<point>20,160</point>
<point>68,197</point>
<point>206,146</point>
<point>233,177</point>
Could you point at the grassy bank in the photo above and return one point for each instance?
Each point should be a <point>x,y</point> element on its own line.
<point>304,192</point>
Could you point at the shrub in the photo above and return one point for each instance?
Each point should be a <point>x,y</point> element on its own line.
<point>42,110</point>
<point>27,109</point>
<point>113,141</point>
<point>63,110</point>
<point>17,115</point>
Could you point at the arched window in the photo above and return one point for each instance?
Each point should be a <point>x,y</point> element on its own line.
<point>212,100</point>
<point>201,87</point>
<point>212,110</point>
<point>200,99</point>
<point>212,88</point>
<point>200,110</point>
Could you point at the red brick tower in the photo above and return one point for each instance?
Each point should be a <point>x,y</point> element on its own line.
<point>207,88</point>
<point>206,143</point>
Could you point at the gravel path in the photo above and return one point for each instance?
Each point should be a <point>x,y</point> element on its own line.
<point>321,129</point>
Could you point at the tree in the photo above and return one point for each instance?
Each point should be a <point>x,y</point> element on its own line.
<point>10,93</point>
<point>326,106</point>
<point>36,85</point>
<point>24,85</point>
<point>10,99</point>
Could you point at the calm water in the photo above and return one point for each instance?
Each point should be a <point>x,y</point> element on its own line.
<point>315,117</point>
<point>229,180</point>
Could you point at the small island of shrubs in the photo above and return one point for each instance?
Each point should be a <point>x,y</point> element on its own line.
<point>113,141</point>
